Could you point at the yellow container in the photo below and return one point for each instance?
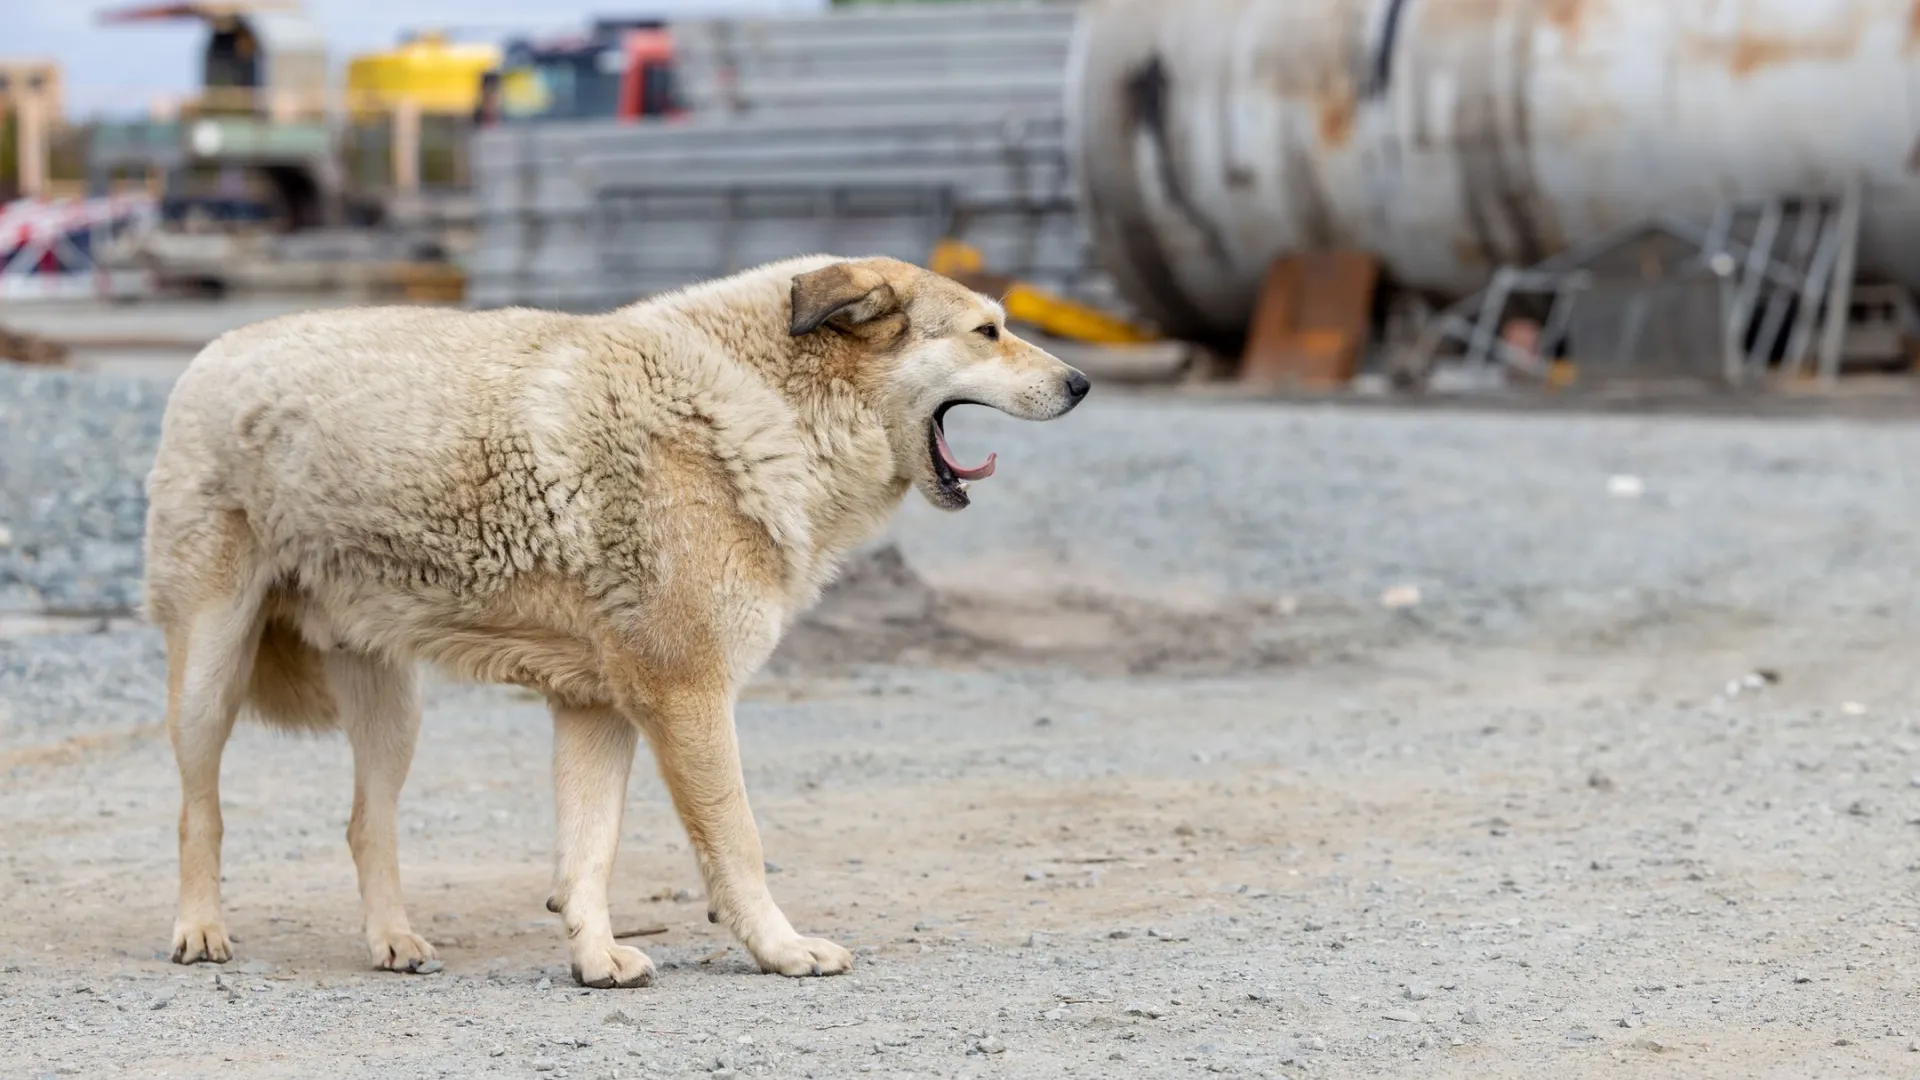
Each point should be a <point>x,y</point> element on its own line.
<point>438,76</point>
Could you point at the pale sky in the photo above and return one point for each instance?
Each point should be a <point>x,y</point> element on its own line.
<point>118,68</point>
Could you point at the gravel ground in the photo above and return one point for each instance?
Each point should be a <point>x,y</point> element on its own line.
<point>1214,740</point>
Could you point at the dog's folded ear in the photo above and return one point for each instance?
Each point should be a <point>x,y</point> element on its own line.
<point>845,294</point>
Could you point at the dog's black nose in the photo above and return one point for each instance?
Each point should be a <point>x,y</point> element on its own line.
<point>1077,386</point>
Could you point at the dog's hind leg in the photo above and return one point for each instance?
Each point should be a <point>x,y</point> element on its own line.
<point>209,658</point>
<point>593,752</point>
<point>379,704</point>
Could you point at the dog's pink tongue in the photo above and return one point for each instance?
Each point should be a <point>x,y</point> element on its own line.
<point>959,470</point>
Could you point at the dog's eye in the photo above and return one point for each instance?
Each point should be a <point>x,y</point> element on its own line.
<point>989,331</point>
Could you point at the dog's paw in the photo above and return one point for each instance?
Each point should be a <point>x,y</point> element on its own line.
<point>196,941</point>
<point>620,966</point>
<point>797,956</point>
<point>401,950</point>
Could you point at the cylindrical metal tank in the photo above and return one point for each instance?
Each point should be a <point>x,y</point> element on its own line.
<point>1451,136</point>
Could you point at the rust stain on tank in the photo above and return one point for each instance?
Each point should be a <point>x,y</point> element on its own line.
<point>1460,14</point>
<point>1913,26</point>
<point>1336,119</point>
<point>1568,16</point>
<point>1747,53</point>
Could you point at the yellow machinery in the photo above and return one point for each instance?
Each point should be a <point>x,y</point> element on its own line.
<point>437,76</point>
<point>1049,312</point>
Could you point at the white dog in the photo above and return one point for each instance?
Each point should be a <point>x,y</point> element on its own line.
<point>621,511</point>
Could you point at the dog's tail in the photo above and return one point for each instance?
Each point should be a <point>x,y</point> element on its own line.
<point>288,689</point>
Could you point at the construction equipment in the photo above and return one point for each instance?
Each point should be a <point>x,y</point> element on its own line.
<point>255,144</point>
<point>433,74</point>
<point>622,69</point>
<point>1046,311</point>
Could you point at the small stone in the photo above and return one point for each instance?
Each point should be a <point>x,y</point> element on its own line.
<point>162,999</point>
<point>1414,992</point>
<point>1036,875</point>
<point>1626,486</point>
<point>770,866</point>
<point>991,1045</point>
<point>1141,1008</point>
<point>1654,1046</point>
<point>544,1064</point>
<point>1853,708</point>
<point>6,537</point>
<point>430,967</point>
<point>1424,1042</point>
<point>1914,1046</point>
<point>1599,781</point>
<point>1802,977</point>
<point>682,896</point>
<point>620,1016</point>
<point>1581,1035</point>
<point>1043,721</point>
<point>1036,940</point>
<point>1054,1014</point>
<point>498,1051</point>
<point>1456,1041</point>
<point>1629,1021</point>
<point>1400,597</point>
<point>1183,830</point>
<point>256,967</point>
<point>1315,1042</point>
<point>1312,927</point>
<point>1401,1016</point>
<point>1470,1015</point>
<point>1119,935</point>
<point>544,984</point>
<point>1843,1041</point>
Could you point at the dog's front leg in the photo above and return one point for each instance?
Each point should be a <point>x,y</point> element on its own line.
<point>592,758</point>
<point>691,731</point>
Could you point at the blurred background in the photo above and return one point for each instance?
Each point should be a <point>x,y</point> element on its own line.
<point>1321,195</point>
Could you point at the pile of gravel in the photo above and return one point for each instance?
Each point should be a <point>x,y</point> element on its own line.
<point>74,455</point>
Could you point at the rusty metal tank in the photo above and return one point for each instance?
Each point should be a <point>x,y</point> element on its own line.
<point>1452,136</point>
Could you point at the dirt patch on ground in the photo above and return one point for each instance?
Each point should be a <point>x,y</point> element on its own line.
<point>881,611</point>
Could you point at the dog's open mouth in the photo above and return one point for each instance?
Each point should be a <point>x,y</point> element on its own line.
<point>947,469</point>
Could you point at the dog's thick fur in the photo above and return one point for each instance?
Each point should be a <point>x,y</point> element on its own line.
<point>622,512</point>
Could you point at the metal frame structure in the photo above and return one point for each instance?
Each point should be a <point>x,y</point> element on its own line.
<point>1784,267</point>
<point>734,207</point>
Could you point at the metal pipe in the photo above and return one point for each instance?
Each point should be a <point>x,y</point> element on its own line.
<point>1450,137</point>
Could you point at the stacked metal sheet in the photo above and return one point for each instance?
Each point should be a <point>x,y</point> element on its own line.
<point>862,131</point>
